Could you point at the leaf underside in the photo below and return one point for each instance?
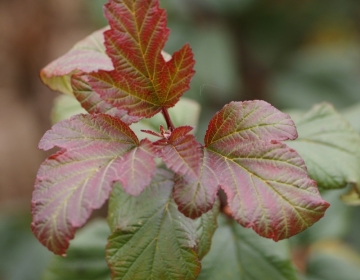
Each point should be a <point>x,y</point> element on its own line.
<point>86,56</point>
<point>79,178</point>
<point>151,239</point>
<point>265,181</point>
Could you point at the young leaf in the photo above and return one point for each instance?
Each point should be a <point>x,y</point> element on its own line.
<point>92,102</point>
<point>239,254</point>
<point>85,259</point>
<point>266,182</point>
<point>181,153</point>
<point>79,178</point>
<point>86,56</point>
<point>143,82</point>
<point>326,140</point>
<point>151,239</point>
<point>177,116</point>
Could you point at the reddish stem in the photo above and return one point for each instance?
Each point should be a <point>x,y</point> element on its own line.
<point>170,125</point>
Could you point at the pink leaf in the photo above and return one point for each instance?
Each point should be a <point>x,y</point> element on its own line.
<point>79,178</point>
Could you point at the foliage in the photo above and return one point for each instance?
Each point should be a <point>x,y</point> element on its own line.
<point>162,219</point>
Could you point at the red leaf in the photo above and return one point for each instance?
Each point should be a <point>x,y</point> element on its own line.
<point>266,182</point>
<point>79,178</point>
<point>92,102</point>
<point>182,153</point>
<point>143,82</point>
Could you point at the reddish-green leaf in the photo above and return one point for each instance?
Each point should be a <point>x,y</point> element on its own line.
<point>77,179</point>
<point>143,82</point>
<point>181,152</point>
<point>86,56</point>
<point>266,182</point>
<point>92,102</point>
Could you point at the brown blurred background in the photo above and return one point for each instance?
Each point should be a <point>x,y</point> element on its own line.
<point>291,53</point>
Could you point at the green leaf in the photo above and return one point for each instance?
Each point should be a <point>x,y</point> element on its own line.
<point>333,260</point>
<point>238,253</point>
<point>329,146</point>
<point>151,239</point>
<point>85,259</point>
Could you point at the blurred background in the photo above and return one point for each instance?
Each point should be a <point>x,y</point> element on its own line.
<point>290,53</point>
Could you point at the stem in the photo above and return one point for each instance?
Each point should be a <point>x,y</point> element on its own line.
<point>170,125</point>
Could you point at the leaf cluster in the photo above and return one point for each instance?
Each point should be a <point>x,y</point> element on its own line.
<point>162,218</point>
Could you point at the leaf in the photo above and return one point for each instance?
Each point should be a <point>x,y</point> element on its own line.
<point>92,102</point>
<point>79,178</point>
<point>86,257</point>
<point>86,56</point>
<point>151,239</point>
<point>327,141</point>
<point>238,253</point>
<point>266,182</point>
<point>142,82</point>
<point>181,153</point>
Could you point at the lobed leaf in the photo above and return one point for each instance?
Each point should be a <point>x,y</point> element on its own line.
<point>142,82</point>
<point>238,253</point>
<point>92,102</point>
<point>326,140</point>
<point>79,178</point>
<point>265,181</point>
<point>86,56</point>
<point>151,239</point>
